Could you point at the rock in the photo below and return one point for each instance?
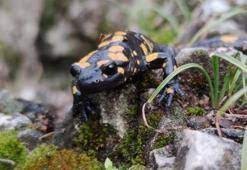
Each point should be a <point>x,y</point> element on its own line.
<point>8,104</point>
<point>203,151</point>
<point>234,134</point>
<point>30,137</point>
<point>116,108</point>
<point>41,115</point>
<point>15,121</point>
<point>198,122</point>
<point>161,159</point>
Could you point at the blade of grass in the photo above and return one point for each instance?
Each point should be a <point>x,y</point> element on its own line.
<point>215,63</point>
<point>231,101</point>
<point>231,60</point>
<point>214,23</point>
<point>225,86</point>
<point>176,72</point>
<point>233,82</point>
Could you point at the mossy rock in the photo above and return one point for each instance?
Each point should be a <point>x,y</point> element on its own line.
<point>96,139</point>
<point>11,148</point>
<point>49,157</point>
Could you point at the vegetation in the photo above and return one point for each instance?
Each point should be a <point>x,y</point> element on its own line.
<point>214,82</point>
<point>49,157</point>
<point>11,149</point>
<point>195,111</point>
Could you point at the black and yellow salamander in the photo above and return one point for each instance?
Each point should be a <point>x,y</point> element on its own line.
<point>120,56</point>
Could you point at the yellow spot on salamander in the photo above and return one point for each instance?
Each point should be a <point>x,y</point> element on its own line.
<point>115,38</point>
<point>74,90</point>
<point>228,38</point>
<point>102,62</point>
<point>120,33</point>
<point>135,53</point>
<point>138,62</point>
<point>84,65</point>
<point>144,49</point>
<point>151,57</point>
<point>85,59</point>
<point>116,48</point>
<point>148,42</point>
<point>120,70</point>
<point>118,56</point>
<point>169,90</point>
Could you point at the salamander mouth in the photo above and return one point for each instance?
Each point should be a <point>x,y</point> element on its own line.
<point>88,87</point>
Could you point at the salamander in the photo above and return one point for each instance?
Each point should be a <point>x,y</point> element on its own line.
<point>118,57</point>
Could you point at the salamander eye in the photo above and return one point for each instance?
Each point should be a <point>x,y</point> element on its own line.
<point>110,69</point>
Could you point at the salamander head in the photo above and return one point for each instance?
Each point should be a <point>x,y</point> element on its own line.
<point>97,72</point>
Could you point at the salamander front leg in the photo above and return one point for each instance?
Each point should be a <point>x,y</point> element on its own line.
<point>173,86</point>
<point>81,105</point>
<point>165,60</point>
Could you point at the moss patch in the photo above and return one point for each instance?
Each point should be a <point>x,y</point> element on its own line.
<point>49,157</point>
<point>131,149</point>
<point>11,148</point>
<point>162,140</point>
<point>195,111</point>
<point>96,139</point>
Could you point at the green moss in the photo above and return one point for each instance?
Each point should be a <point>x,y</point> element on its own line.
<point>11,148</point>
<point>195,111</point>
<point>162,140</point>
<point>95,138</point>
<point>49,157</point>
<point>137,167</point>
<point>132,147</point>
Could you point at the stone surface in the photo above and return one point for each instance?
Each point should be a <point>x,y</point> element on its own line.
<point>8,104</point>
<point>203,151</point>
<point>198,122</point>
<point>115,107</point>
<point>234,134</point>
<point>161,159</point>
<point>13,121</point>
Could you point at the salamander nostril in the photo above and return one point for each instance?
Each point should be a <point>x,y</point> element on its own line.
<point>75,70</point>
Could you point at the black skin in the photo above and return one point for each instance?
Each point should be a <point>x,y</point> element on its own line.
<point>140,54</point>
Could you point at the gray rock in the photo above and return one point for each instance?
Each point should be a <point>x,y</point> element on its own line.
<point>116,108</point>
<point>30,137</point>
<point>161,159</point>
<point>14,121</point>
<point>8,104</point>
<point>198,122</point>
<point>203,151</point>
<point>234,134</point>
